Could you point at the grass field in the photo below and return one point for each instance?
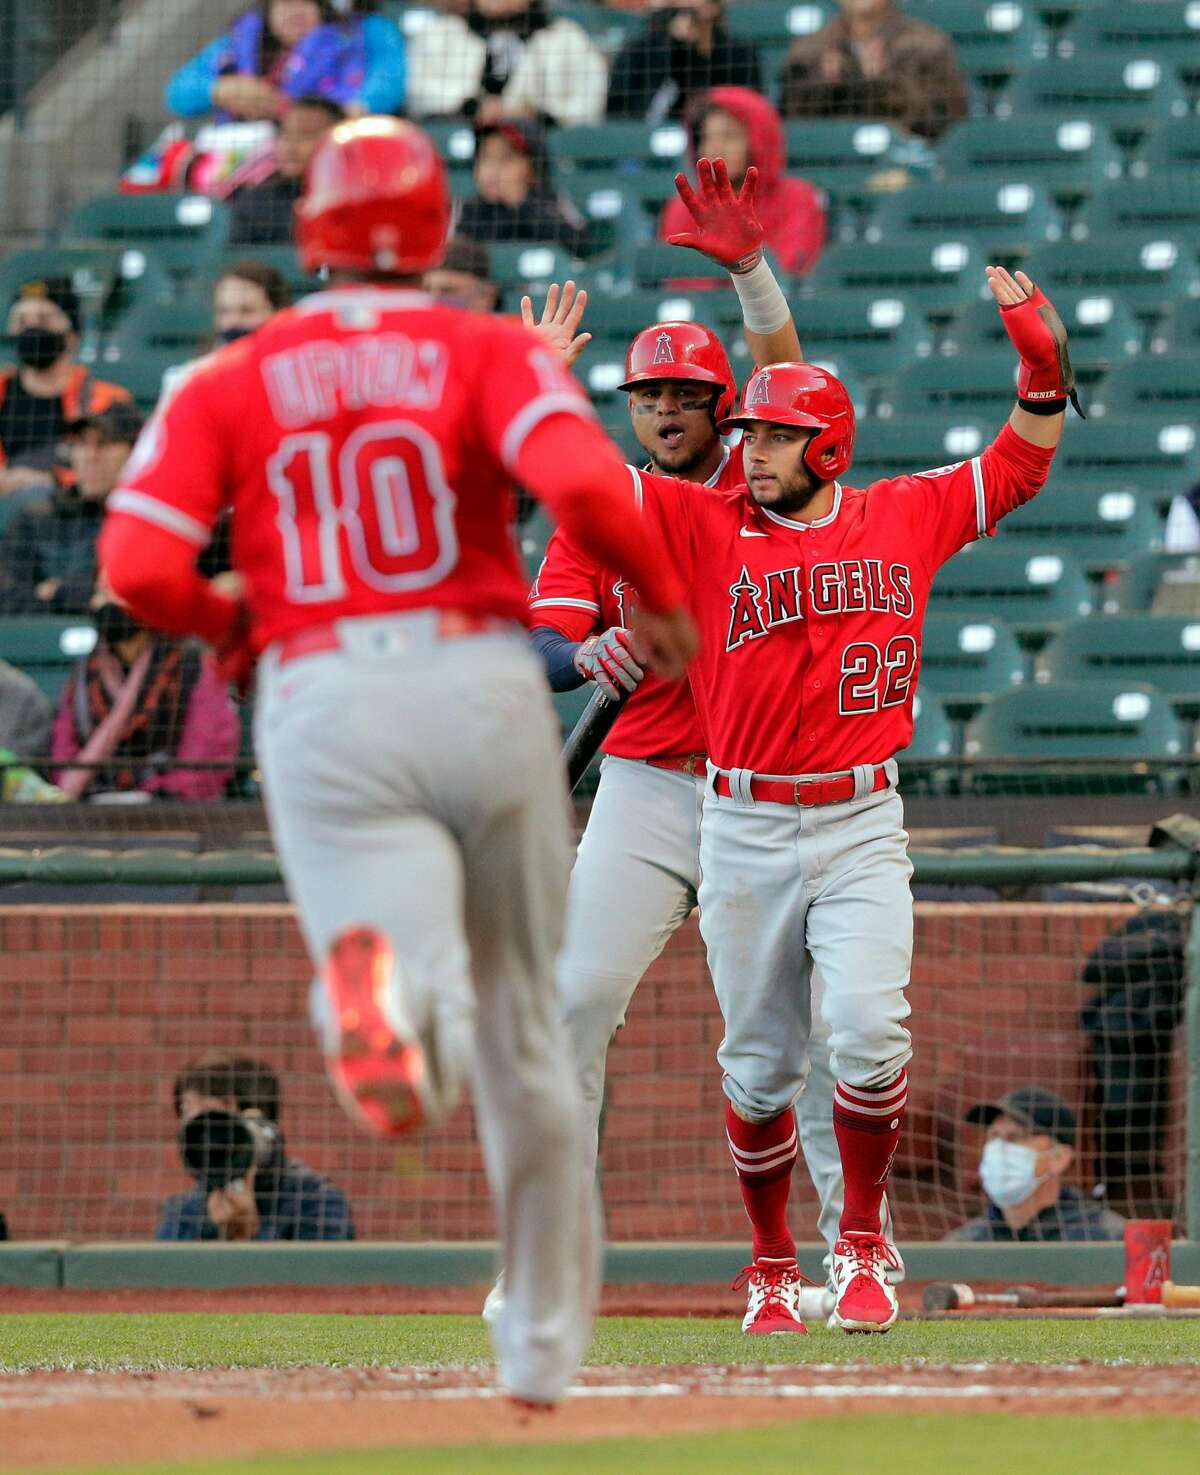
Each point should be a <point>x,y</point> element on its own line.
<point>171,1340</point>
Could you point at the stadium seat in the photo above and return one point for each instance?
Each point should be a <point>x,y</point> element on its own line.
<point>1100,528</point>
<point>532,537</point>
<point>1179,331</point>
<point>1103,330</point>
<point>1129,721</point>
<point>97,273</point>
<point>1160,649</point>
<point>455,142</point>
<point>875,332</point>
<point>1068,158</point>
<point>282,258</point>
<point>898,447</point>
<point>621,315</point>
<point>933,736</point>
<point>1167,206</point>
<point>1147,272</point>
<point>1144,581</point>
<point>182,234</point>
<point>851,159</point>
<point>640,145</point>
<point>1155,384</point>
<point>521,265</point>
<point>992,38</point>
<point>1166,29</point>
<point>45,647</point>
<point>1010,216</point>
<point>964,661</point>
<point>655,263</point>
<point>150,341</point>
<point>1174,146</point>
<point>981,385</point>
<point>1031,592</point>
<point>938,276</point>
<point>602,366</point>
<point>771,21</point>
<point>1129,93</point>
<point>1156,454</point>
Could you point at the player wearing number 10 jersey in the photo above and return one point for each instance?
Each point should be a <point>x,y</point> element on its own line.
<point>368,441</point>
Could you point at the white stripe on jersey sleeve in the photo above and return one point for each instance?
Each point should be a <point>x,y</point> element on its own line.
<point>565,604</point>
<point>150,509</point>
<point>533,414</point>
<point>981,517</point>
<point>638,491</point>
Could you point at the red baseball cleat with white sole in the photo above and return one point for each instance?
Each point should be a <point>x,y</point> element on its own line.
<point>865,1301</point>
<point>373,1058</point>
<point>772,1297</point>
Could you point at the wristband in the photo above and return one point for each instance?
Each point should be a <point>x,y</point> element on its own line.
<point>764,307</point>
<point>1055,406</point>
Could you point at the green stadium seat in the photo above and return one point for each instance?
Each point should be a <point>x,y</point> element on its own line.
<point>1179,331</point>
<point>1173,147</point>
<point>1156,454</point>
<point>992,38</point>
<point>1068,158</point>
<point>282,258</point>
<point>768,22</point>
<point>933,736</point>
<point>1010,216</point>
<point>602,146</point>
<point>1077,719</point>
<point>621,315</point>
<point>455,142</point>
<point>521,265</point>
<point>152,340</point>
<point>873,331</point>
<point>1099,527</point>
<point>1103,330</point>
<point>1161,649</point>
<point>852,158</point>
<point>141,372</point>
<point>108,277</point>
<point>1146,271</point>
<point>1166,29</point>
<point>1167,206</point>
<point>654,262</point>
<point>569,705</point>
<point>532,537</point>
<point>1155,384</point>
<point>1144,577</point>
<point>1031,592</point>
<point>602,366</point>
<point>982,384</point>
<point>963,661</point>
<point>938,276</point>
<point>181,234</point>
<point>900,447</point>
<point>1129,93</point>
<point>45,647</point>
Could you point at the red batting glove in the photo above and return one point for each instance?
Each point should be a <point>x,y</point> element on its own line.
<point>727,228</point>
<point>1040,338</point>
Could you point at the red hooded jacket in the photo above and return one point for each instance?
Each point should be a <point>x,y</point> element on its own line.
<point>792,210</point>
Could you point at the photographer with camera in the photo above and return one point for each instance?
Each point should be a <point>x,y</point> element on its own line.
<point>231,1145</point>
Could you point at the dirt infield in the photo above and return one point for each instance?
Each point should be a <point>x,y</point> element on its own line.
<point>50,1420</point>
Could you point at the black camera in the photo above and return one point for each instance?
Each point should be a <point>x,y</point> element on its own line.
<point>220,1147</point>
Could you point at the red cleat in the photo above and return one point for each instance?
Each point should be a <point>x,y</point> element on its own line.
<point>372,1056</point>
<point>866,1301</point>
<point>772,1297</point>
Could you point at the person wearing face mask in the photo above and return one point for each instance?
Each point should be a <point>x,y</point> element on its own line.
<point>48,389</point>
<point>139,704</point>
<point>1029,1150</point>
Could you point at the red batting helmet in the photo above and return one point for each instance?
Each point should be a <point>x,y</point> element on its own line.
<point>681,351</point>
<point>375,199</point>
<point>802,394</point>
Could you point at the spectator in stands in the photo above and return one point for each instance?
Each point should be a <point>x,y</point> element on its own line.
<point>1029,1149</point>
<point>685,49</point>
<point>48,551</point>
<point>26,715</point>
<point>282,50</point>
<point>138,705</point>
<point>1182,533</point>
<point>506,58</point>
<point>261,212</point>
<point>514,198</point>
<point>741,127</point>
<point>48,389</point>
<point>222,1099</point>
<point>246,295</point>
<point>873,61</point>
<point>464,279</point>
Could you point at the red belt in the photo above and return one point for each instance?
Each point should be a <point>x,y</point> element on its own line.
<point>451,625</point>
<point>806,792</point>
<point>681,763</point>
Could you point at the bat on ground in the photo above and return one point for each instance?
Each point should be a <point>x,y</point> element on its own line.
<point>594,725</point>
<point>1173,1295</point>
<point>948,1296</point>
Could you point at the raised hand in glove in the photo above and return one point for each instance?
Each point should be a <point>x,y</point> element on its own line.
<point>728,229</point>
<point>1046,379</point>
<point>609,661</point>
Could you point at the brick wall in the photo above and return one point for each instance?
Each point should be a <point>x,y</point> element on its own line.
<point>99,1007</point>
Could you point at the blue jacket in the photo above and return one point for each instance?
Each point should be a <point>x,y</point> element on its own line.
<point>361,60</point>
<point>301,1204</point>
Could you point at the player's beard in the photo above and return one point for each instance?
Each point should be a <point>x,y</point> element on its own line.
<point>679,461</point>
<point>794,493</point>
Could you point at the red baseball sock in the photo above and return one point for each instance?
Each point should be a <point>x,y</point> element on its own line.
<point>764,1154</point>
<point>867,1121</point>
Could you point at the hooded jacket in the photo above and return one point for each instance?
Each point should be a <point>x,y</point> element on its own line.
<point>792,211</point>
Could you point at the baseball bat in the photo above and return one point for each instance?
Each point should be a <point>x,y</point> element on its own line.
<point>954,1296</point>
<point>594,725</point>
<point>1173,1295</point>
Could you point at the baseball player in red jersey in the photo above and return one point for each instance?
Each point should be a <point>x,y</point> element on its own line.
<point>810,597</point>
<point>368,441</point>
<point>639,856</point>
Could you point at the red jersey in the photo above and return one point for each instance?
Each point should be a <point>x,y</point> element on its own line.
<point>577,597</point>
<point>365,440</point>
<point>810,633</point>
